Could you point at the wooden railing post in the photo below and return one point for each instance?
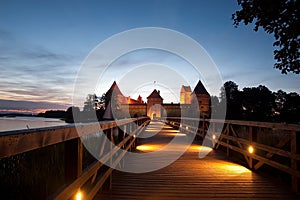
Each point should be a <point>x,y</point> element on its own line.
<point>250,163</point>
<point>294,151</point>
<point>213,136</point>
<point>108,182</point>
<point>252,139</point>
<point>130,129</point>
<point>203,128</point>
<point>227,141</point>
<point>73,159</point>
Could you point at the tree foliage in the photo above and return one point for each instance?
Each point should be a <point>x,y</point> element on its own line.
<point>232,96</point>
<point>260,104</point>
<point>71,113</point>
<point>280,18</point>
<point>94,102</point>
<point>290,109</point>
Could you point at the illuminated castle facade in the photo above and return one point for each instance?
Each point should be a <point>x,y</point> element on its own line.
<point>190,101</point>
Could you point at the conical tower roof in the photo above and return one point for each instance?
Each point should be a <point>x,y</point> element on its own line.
<point>155,94</point>
<point>200,89</point>
<point>114,88</point>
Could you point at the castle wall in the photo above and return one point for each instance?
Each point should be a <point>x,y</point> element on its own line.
<point>137,110</point>
<point>190,103</point>
<point>171,110</point>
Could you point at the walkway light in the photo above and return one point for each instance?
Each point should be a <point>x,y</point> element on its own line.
<point>213,136</point>
<point>78,195</point>
<point>250,149</point>
<point>187,128</point>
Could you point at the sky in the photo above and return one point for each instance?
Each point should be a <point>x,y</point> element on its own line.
<point>44,45</point>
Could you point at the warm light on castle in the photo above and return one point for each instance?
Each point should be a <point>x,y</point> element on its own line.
<point>190,101</point>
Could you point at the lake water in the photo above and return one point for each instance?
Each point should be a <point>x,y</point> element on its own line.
<point>18,123</point>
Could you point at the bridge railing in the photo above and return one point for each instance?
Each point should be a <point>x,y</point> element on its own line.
<point>259,144</point>
<point>53,163</point>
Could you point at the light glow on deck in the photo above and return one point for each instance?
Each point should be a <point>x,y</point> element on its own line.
<point>231,169</point>
<point>148,147</point>
<point>174,133</point>
<point>238,169</point>
<point>152,130</point>
<point>198,148</point>
<point>177,134</point>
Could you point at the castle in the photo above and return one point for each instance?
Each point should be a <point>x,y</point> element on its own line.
<point>190,101</point>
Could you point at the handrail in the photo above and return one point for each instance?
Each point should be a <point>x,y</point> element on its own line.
<point>15,143</point>
<point>284,126</point>
<point>20,141</point>
<point>238,136</point>
<point>81,180</point>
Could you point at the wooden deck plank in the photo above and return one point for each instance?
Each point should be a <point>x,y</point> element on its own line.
<point>213,177</point>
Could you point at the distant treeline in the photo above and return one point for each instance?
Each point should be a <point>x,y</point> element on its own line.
<point>16,114</point>
<point>53,114</point>
<point>258,104</point>
<point>249,104</point>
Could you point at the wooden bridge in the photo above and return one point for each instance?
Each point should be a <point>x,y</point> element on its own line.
<point>52,162</point>
<point>213,177</point>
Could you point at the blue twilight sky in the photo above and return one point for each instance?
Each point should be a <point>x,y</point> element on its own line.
<point>43,44</point>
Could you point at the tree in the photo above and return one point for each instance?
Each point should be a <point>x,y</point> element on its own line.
<point>232,96</point>
<point>290,111</point>
<point>214,106</point>
<point>258,103</point>
<point>278,17</point>
<point>71,113</point>
<point>94,108</point>
<point>92,103</point>
<point>280,100</point>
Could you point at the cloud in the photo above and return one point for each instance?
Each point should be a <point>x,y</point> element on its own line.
<point>25,106</point>
<point>34,72</point>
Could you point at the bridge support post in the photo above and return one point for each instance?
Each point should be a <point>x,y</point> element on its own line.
<point>250,161</point>
<point>213,140</point>
<point>107,185</point>
<point>73,159</point>
<point>130,127</point>
<point>203,128</point>
<point>295,139</point>
<point>122,134</point>
<point>252,138</point>
<point>227,141</point>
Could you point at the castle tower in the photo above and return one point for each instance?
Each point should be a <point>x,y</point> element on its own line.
<point>154,105</point>
<point>201,95</point>
<point>115,100</point>
<point>185,95</point>
<point>140,99</point>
